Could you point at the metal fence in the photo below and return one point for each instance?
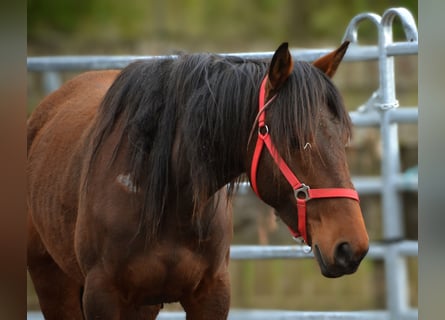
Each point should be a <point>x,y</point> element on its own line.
<point>382,109</point>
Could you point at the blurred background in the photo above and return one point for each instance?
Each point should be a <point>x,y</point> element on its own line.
<point>165,26</point>
<point>157,27</point>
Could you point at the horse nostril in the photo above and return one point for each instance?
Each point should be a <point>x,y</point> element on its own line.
<point>343,254</point>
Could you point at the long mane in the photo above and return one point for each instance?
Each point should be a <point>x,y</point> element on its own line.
<point>209,103</point>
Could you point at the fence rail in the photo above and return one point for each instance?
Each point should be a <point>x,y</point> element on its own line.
<point>284,315</point>
<point>76,63</point>
<point>381,110</point>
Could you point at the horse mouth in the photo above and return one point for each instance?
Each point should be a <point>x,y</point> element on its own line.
<point>331,271</point>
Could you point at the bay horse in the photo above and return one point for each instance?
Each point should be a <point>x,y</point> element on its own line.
<point>131,172</point>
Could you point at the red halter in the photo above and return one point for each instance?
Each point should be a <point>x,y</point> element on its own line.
<point>302,192</point>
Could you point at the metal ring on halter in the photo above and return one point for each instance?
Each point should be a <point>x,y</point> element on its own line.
<point>263,130</point>
<point>302,192</point>
<point>300,241</point>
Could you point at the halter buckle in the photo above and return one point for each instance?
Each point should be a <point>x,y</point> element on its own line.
<point>302,192</point>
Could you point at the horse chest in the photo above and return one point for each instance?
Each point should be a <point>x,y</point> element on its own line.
<point>164,274</point>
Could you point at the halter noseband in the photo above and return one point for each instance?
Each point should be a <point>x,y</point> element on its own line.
<point>302,192</point>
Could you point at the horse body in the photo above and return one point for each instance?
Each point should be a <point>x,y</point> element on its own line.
<point>89,234</point>
<point>127,202</point>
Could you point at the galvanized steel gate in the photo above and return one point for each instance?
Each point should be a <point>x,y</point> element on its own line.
<point>382,110</point>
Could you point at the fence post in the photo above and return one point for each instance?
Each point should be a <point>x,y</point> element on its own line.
<point>395,266</point>
<point>51,81</point>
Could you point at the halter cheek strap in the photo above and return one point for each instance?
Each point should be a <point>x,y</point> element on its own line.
<point>302,192</point>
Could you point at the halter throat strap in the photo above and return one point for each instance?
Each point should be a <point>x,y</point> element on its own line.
<point>302,192</point>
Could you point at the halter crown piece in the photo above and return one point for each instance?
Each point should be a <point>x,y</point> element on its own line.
<point>303,193</point>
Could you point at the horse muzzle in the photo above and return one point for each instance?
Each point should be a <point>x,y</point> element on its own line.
<point>345,260</point>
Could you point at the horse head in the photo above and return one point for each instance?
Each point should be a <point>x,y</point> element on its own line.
<point>298,164</point>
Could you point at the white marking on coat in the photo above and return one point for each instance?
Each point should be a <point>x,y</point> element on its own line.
<point>126,181</point>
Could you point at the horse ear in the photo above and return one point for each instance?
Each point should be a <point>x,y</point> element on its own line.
<point>280,67</point>
<point>329,63</point>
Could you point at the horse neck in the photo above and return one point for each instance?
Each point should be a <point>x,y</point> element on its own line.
<point>223,150</point>
<point>233,157</point>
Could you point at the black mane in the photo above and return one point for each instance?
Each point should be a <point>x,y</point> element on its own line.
<point>209,103</point>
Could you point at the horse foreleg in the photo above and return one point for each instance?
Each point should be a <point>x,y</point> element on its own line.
<point>102,300</point>
<point>211,300</point>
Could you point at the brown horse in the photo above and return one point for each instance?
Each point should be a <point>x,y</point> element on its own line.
<point>130,173</point>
